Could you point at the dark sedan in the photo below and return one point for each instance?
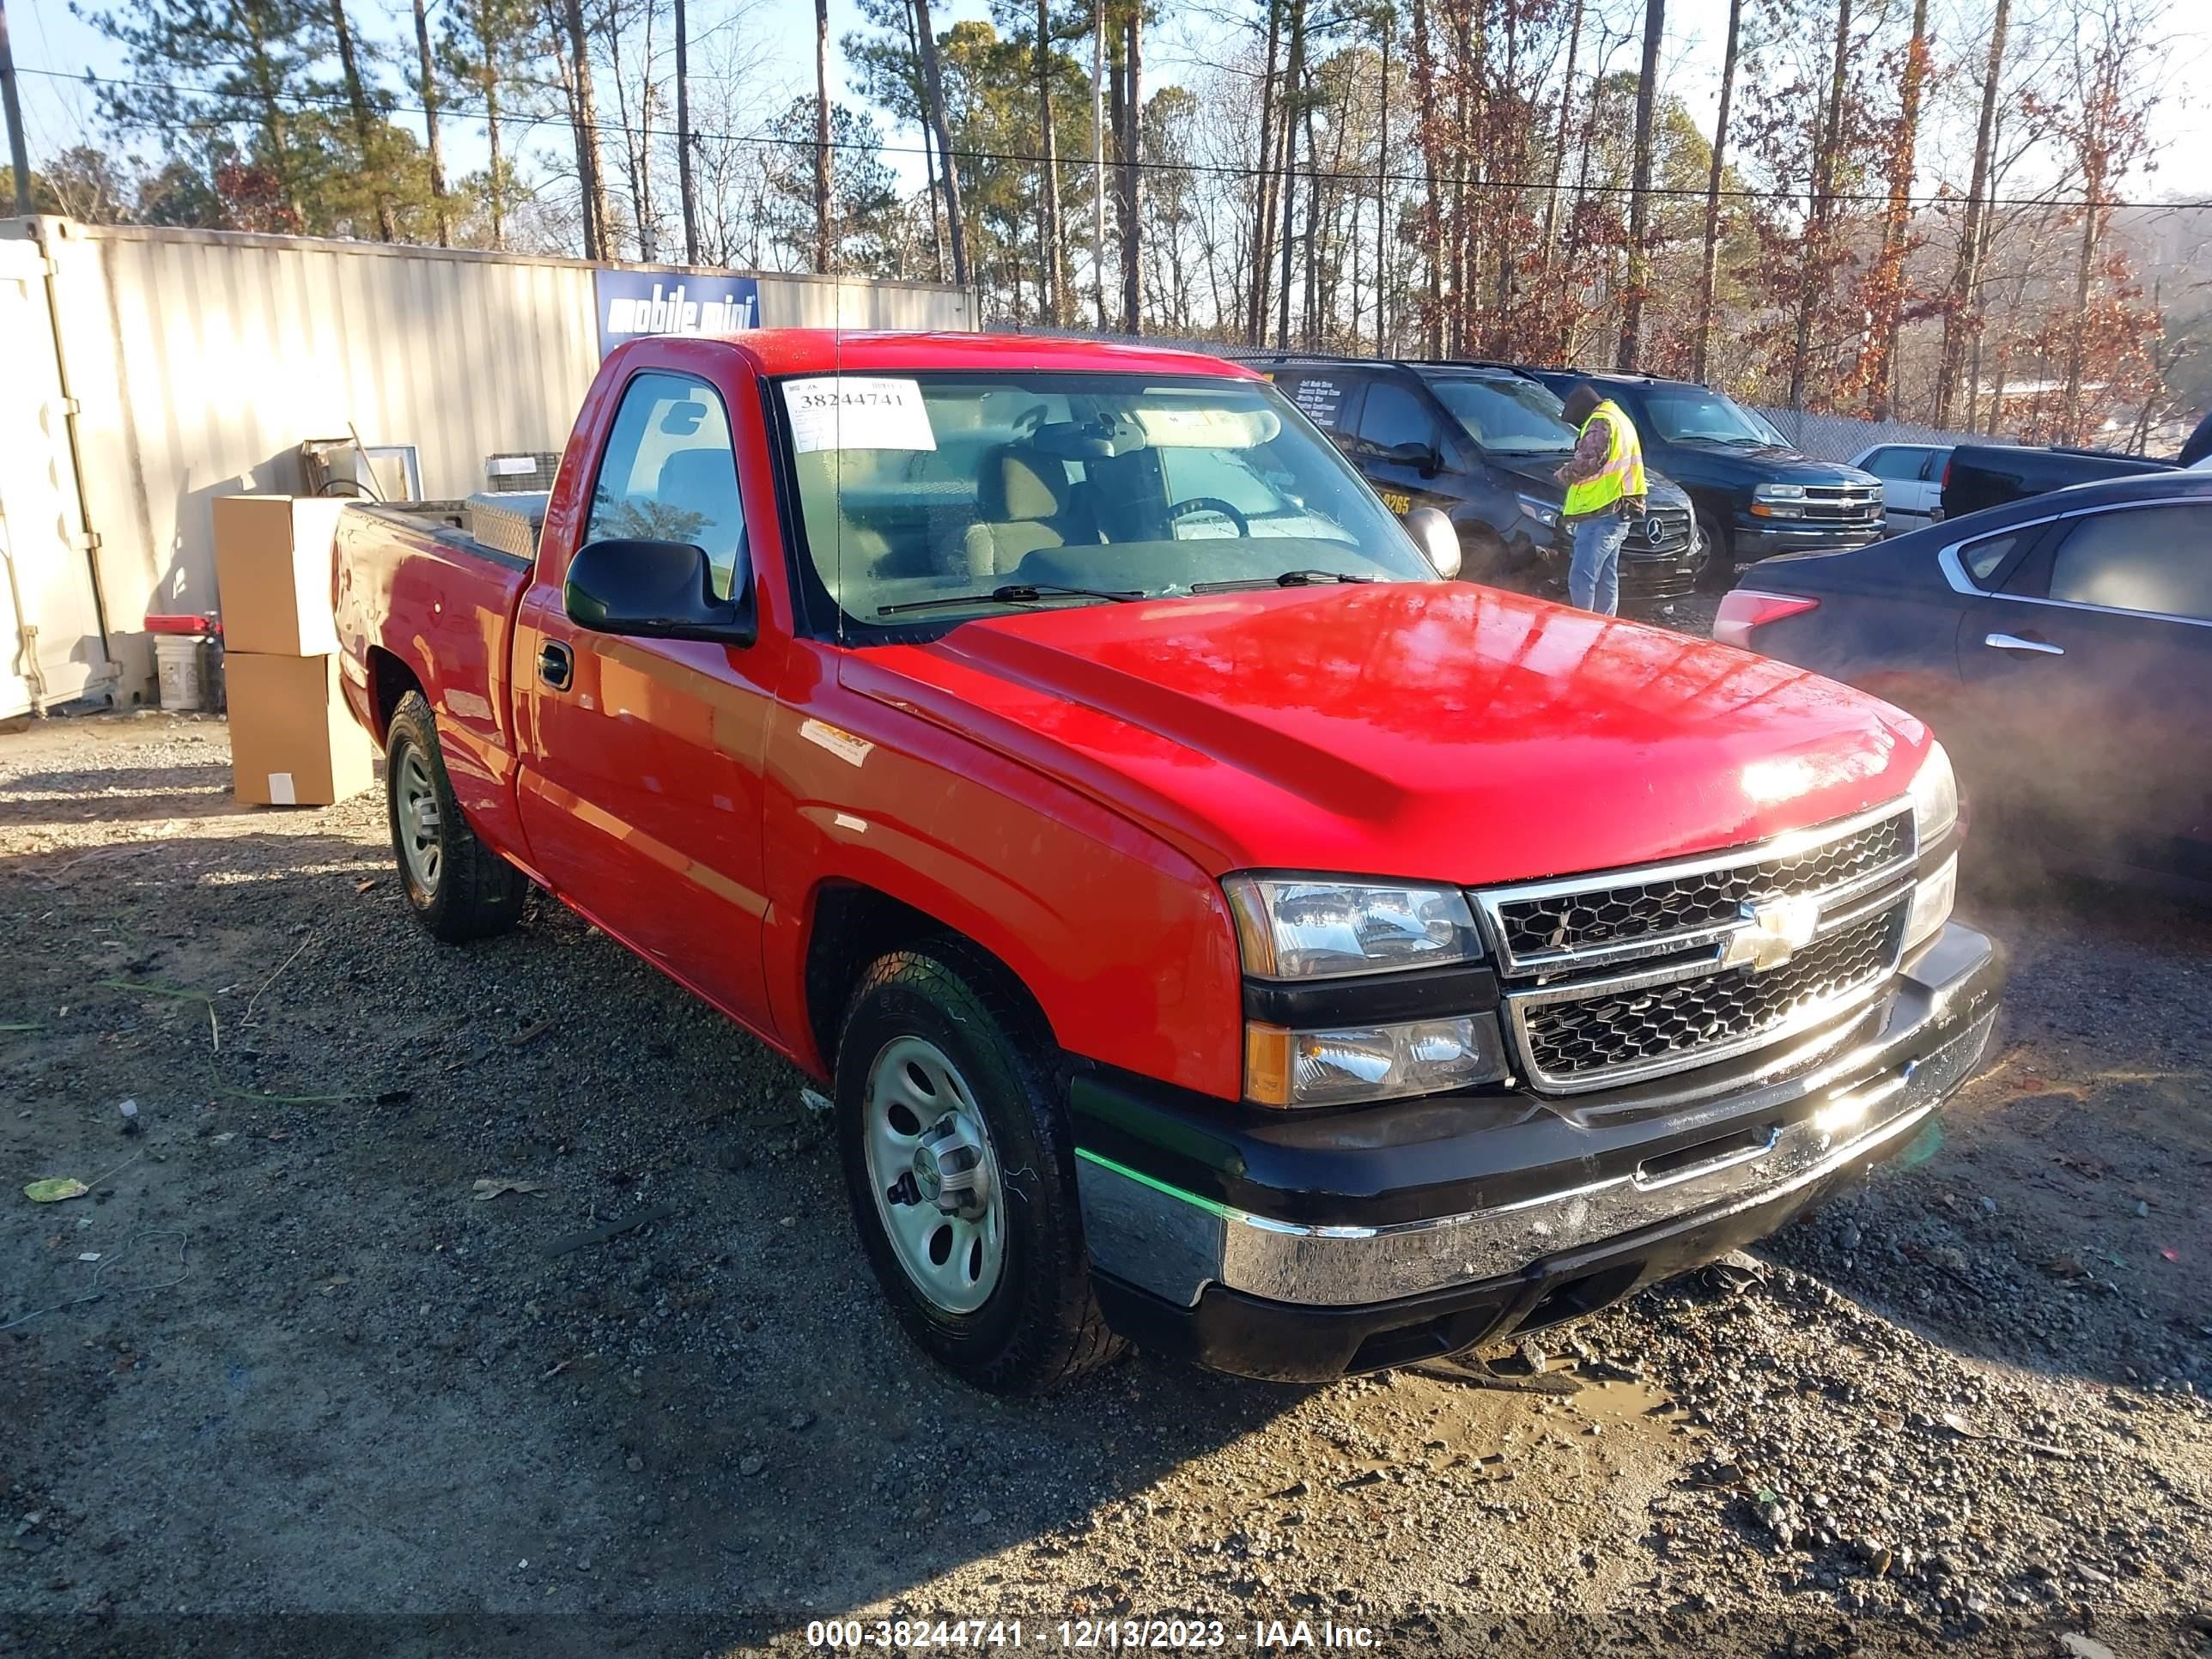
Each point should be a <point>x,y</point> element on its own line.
<point>2061,647</point>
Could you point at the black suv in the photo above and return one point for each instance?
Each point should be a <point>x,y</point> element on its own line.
<point>1479,442</point>
<point>1756,496</point>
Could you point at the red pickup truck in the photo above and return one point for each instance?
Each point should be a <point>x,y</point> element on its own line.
<point>1217,930</point>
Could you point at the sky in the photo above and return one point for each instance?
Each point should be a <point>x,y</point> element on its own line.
<point>58,111</point>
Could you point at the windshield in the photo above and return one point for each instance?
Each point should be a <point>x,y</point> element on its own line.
<point>1693,414</point>
<point>1506,415</point>
<point>967,494</point>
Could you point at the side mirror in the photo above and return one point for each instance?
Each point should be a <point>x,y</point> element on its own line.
<point>1422,457</point>
<point>654,590</point>
<point>1433,534</point>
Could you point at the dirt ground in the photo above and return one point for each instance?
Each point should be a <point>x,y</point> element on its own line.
<point>330,1400</point>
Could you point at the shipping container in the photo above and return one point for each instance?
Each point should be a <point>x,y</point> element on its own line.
<point>164,367</point>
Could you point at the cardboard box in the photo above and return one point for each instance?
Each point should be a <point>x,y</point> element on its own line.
<point>272,573</point>
<point>292,740</point>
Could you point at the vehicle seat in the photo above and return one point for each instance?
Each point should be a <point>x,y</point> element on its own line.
<point>1025,503</point>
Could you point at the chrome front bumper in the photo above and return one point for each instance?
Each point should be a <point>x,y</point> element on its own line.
<point>1779,1137</point>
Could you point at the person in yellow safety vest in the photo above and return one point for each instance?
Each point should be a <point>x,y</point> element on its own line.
<point>1605,490</point>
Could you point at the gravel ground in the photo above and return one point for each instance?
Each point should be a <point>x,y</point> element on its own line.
<point>1959,1409</point>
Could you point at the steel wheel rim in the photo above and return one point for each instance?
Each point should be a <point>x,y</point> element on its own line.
<point>918,1111</point>
<point>418,823</point>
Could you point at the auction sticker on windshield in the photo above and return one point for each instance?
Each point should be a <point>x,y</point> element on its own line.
<point>857,411</point>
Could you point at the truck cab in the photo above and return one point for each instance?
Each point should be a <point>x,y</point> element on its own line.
<point>1481,442</point>
<point>1214,930</point>
<point>1756,495</point>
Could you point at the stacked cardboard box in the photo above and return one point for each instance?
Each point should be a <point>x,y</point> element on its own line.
<point>293,741</point>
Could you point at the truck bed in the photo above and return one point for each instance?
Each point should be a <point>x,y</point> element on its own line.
<point>406,575</point>
<point>1990,475</point>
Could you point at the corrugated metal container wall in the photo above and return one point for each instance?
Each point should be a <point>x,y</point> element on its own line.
<point>200,359</point>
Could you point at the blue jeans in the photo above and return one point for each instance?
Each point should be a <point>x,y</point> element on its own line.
<point>1593,573</point>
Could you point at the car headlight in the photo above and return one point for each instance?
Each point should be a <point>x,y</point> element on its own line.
<point>1778,501</point>
<point>1304,929</point>
<point>1543,512</point>
<point>1935,798</point>
<point>1931,903</point>
<point>1348,1065</point>
<point>1300,927</point>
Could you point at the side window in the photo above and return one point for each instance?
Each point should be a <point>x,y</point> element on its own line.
<point>1395,415</point>
<point>2148,558</point>
<point>1898,463</point>
<point>669,474</point>
<point>1984,558</point>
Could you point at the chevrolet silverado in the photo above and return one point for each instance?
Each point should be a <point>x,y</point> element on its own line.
<point>1215,930</point>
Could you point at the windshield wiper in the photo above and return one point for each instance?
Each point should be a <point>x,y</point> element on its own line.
<point>1011,593</point>
<point>1288,578</point>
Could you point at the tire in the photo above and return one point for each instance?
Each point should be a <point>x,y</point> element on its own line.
<point>1008,1306</point>
<point>1717,573</point>
<point>456,887</point>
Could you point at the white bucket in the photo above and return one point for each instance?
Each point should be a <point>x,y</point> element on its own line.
<point>180,669</point>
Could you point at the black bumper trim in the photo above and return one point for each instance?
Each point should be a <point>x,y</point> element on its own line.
<point>1284,1342</point>
<point>1446,1155</point>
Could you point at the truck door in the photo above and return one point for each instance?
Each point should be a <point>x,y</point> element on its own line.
<point>2090,669</point>
<point>640,786</point>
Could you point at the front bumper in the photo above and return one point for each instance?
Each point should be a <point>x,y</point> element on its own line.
<point>1304,1247</point>
<point>1753,540</point>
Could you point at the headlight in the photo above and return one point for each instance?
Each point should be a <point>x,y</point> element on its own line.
<point>1290,927</point>
<point>1543,512</point>
<point>1778,501</point>
<point>1931,903</point>
<point>1935,798</point>
<point>1348,1065</point>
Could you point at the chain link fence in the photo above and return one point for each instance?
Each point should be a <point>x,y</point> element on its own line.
<point>1823,437</point>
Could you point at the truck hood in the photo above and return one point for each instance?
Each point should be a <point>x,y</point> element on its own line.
<point>1777,464</point>
<point>1423,730</point>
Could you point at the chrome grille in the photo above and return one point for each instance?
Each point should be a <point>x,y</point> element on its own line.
<point>1566,921</point>
<point>1843,503</point>
<point>1660,532</point>
<point>1635,973</point>
<point>1643,1028</point>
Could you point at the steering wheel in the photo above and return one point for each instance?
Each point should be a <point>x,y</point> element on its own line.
<point>1211,504</point>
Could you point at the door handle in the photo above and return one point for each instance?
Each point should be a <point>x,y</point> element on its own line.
<point>2015,642</point>
<point>556,665</point>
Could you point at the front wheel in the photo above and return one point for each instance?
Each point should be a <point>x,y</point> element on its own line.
<point>960,1167</point>
<point>1717,573</point>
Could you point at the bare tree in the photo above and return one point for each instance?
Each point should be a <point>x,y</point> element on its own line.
<point>1708,267</point>
<point>1965,270</point>
<point>1052,261</point>
<point>1640,193</point>
<point>822,135</point>
<point>1813,272</point>
<point>1885,286</point>
<point>436,151</point>
<point>1132,189</point>
<point>684,187</point>
<point>933,82</point>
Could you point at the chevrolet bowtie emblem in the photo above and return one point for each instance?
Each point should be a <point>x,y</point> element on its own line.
<point>1773,933</point>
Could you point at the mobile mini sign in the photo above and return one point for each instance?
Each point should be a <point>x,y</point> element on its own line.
<point>635,302</point>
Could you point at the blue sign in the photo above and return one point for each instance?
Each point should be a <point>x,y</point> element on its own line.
<point>635,302</point>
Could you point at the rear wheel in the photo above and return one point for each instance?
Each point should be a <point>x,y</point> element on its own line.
<point>960,1167</point>
<point>456,887</point>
